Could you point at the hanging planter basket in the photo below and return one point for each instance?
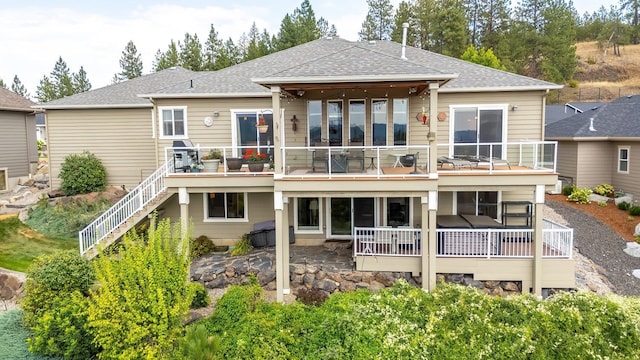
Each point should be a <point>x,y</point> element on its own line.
<point>263,128</point>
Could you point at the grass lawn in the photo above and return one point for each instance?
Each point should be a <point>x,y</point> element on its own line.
<point>13,337</point>
<point>20,244</point>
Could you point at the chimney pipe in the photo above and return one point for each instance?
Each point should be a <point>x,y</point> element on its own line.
<point>591,128</point>
<point>405,26</point>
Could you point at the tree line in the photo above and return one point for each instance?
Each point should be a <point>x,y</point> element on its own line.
<point>534,38</point>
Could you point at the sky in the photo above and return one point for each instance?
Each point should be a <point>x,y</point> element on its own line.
<point>93,34</point>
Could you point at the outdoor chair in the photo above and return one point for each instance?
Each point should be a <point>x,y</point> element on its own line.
<point>492,161</point>
<point>319,155</point>
<point>455,163</point>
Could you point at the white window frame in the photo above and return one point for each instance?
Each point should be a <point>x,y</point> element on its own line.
<point>4,172</point>
<point>320,217</point>
<point>385,207</point>
<point>309,117</point>
<point>234,126</point>
<point>205,209</point>
<point>505,120</point>
<point>454,205</point>
<point>393,121</point>
<point>620,160</point>
<point>328,136</point>
<point>161,122</point>
<point>386,124</point>
<point>364,117</point>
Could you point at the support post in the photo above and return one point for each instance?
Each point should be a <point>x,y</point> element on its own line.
<point>286,246</point>
<point>183,199</point>
<point>538,241</point>
<point>433,209</point>
<point>433,124</point>
<point>278,141</point>
<point>281,261</point>
<point>424,259</point>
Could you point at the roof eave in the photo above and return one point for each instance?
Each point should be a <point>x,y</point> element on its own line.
<point>17,109</point>
<point>592,138</point>
<point>94,106</point>
<point>499,88</point>
<point>351,78</point>
<point>205,95</point>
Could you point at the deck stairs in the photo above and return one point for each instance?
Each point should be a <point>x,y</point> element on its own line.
<point>126,213</point>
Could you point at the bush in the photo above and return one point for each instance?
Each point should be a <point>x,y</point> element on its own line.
<point>624,206</point>
<point>602,203</point>
<point>568,190</point>
<point>200,295</point>
<point>313,296</point>
<point>243,246</point>
<point>573,83</point>
<point>580,196</point>
<point>82,173</point>
<point>137,311</point>
<point>605,190</point>
<point>201,246</point>
<point>64,220</point>
<point>634,210</point>
<point>591,60</point>
<point>198,345</point>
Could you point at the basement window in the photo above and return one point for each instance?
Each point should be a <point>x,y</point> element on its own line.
<point>4,179</point>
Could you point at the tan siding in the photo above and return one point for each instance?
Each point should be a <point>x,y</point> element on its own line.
<point>14,143</point>
<point>595,161</point>
<point>627,182</point>
<point>120,138</point>
<point>568,159</point>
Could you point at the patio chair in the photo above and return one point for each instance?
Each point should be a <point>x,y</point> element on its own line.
<point>492,161</point>
<point>319,156</point>
<point>356,154</point>
<point>455,163</point>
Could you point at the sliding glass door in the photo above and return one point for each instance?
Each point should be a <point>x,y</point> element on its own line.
<point>346,213</point>
<point>476,131</point>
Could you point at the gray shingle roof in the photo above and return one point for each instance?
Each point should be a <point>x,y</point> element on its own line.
<point>12,101</point>
<point>618,119</point>
<point>553,113</point>
<point>124,94</point>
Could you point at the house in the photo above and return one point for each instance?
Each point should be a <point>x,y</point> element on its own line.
<point>555,113</point>
<point>598,145</point>
<point>426,163</point>
<point>41,128</point>
<point>18,148</point>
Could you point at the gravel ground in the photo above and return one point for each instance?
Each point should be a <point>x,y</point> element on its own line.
<point>604,247</point>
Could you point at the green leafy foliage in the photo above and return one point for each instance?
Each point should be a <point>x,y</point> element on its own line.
<point>312,296</point>
<point>634,210</point>
<point>82,173</point>
<point>580,196</point>
<point>568,190</point>
<point>602,203</point>
<point>243,246</point>
<point>605,190</point>
<point>483,57</point>
<point>201,246</point>
<point>197,344</point>
<point>13,337</point>
<point>624,205</point>
<point>64,219</point>
<point>143,298</point>
<point>200,295</point>
<point>404,322</point>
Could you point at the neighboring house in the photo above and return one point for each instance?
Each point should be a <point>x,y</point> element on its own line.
<point>18,148</point>
<point>600,145</point>
<point>41,128</point>
<point>358,139</point>
<point>555,113</point>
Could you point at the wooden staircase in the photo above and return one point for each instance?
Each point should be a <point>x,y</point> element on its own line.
<point>126,213</point>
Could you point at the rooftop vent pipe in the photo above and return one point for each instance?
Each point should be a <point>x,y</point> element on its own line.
<point>405,26</point>
<point>591,125</point>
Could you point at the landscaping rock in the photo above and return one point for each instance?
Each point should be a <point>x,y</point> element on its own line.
<point>598,198</point>
<point>633,249</point>
<point>636,232</point>
<point>626,198</point>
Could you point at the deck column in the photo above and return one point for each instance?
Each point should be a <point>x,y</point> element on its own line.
<point>429,210</point>
<point>278,142</point>
<point>538,241</point>
<point>433,124</point>
<point>282,261</point>
<point>286,246</point>
<point>183,199</point>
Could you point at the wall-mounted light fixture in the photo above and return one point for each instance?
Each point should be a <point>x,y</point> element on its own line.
<point>300,92</point>
<point>413,90</point>
<point>216,114</point>
<point>514,107</point>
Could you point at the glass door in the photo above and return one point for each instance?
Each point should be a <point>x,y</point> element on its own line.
<point>346,213</point>
<point>248,134</point>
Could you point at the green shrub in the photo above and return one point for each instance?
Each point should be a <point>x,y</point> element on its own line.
<point>568,190</point>
<point>201,246</point>
<point>198,345</point>
<point>573,83</point>
<point>591,60</point>
<point>624,205</point>
<point>580,196</point>
<point>143,298</point>
<point>200,295</point>
<point>64,220</point>
<point>63,330</point>
<point>605,190</point>
<point>634,210</point>
<point>82,173</point>
<point>242,246</point>
<point>53,276</point>
<point>602,203</point>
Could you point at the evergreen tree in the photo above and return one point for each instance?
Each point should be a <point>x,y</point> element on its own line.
<point>46,90</point>
<point>229,55</point>
<point>378,22</point>
<point>425,12</point>
<point>18,88</point>
<point>632,7</point>
<point>130,62</point>
<point>167,59</point>
<point>449,28</point>
<point>62,82</point>
<point>190,56</point>
<point>493,24</point>
<point>62,79</point>
<point>81,82</point>
<point>257,44</point>
<point>298,28</point>
<point>404,14</point>
<point>212,50</point>
<point>2,84</point>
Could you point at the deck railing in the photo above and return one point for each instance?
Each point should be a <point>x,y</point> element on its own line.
<point>479,243</point>
<point>184,160</point>
<point>124,209</point>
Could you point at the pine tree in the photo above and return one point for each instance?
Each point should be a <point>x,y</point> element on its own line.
<point>62,82</point>
<point>212,50</point>
<point>298,28</point>
<point>633,8</point>
<point>46,90</point>
<point>190,56</point>
<point>449,28</point>
<point>167,59</point>
<point>2,84</point>
<point>18,88</point>
<point>62,79</point>
<point>404,14</point>
<point>81,82</point>
<point>378,22</point>
<point>130,62</point>
<point>229,55</point>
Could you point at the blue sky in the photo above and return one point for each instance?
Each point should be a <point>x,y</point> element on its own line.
<point>34,33</point>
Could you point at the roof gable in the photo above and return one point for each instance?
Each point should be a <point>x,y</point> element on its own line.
<point>15,102</point>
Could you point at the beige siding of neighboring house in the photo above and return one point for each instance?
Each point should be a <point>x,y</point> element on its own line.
<point>15,152</point>
<point>120,138</point>
<point>627,183</point>
<point>595,163</point>
<point>568,160</point>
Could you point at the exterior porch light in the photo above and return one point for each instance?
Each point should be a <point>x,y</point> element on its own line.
<point>514,107</point>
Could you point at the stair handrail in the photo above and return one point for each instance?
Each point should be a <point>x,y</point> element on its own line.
<point>124,209</point>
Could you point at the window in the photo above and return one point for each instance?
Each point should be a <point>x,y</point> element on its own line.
<point>623,160</point>
<point>379,122</point>
<point>398,211</point>
<point>4,179</point>
<point>474,126</point>
<point>335,122</point>
<point>173,122</point>
<point>478,203</point>
<point>315,122</point>
<point>248,135</point>
<point>356,120</point>
<point>308,212</point>
<point>400,116</point>
<point>225,206</point>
